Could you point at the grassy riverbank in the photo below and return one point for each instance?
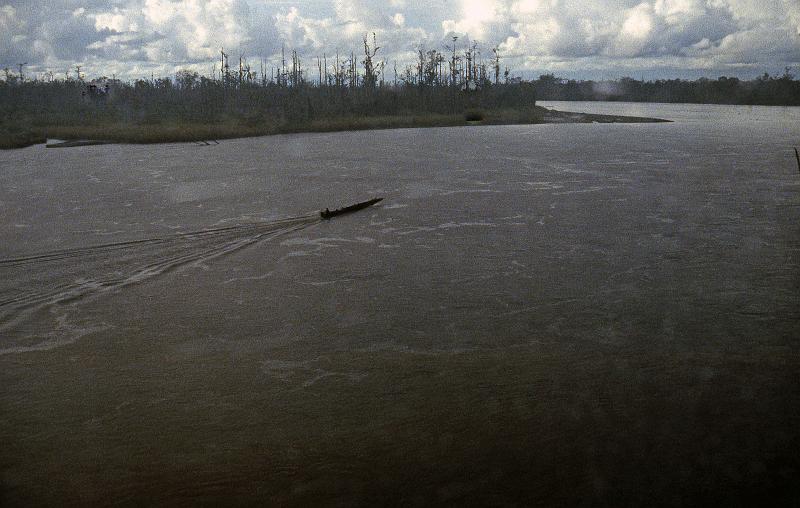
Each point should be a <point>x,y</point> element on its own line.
<point>19,137</point>
<point>176,132</point>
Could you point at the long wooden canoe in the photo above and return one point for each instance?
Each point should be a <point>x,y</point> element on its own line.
<point>327,214</point>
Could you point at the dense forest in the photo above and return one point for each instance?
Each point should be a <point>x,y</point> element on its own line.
<point>765,90</point>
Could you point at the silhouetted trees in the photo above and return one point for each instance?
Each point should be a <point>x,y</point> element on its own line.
<point>341,87</point>
<point>764,90</point>
<point>288,95</point>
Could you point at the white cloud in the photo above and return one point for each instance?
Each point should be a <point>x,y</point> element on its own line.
<point>162,35</point>
<point>635,32</point>
<point>115,21</point>
<point>677,11</point>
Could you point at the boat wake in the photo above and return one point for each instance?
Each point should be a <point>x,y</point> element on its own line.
<point>35,282</point>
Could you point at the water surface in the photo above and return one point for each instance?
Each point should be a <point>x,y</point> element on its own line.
<point>554,314</point>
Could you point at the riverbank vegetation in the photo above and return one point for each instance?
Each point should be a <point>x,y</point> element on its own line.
<point>765,90</point>
<point>331,92</point>
<point>335,93</point>
<point>16,136</point>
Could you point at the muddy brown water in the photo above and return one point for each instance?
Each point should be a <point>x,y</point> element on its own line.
<point>552,314</point>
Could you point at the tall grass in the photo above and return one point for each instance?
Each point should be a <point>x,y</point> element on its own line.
<point>17,137</point>
<point>175,132</point>
<point>172,133</point>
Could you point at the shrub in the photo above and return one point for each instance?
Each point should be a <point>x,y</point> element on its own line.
<point>474,115</point>
<point>18,137</point>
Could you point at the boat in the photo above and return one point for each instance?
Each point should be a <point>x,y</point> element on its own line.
<point>327,214</point>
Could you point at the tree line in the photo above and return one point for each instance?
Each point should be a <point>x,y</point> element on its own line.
<point>458,79</point>
<point>765,90</point>
<point>292,93</point>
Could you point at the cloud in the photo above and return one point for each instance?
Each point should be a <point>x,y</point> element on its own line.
<point>618,35</point>
<point>345,30</point>
<point>27,35</point>
<point>13,37</point>
<point>186,31</point>
<point>161,36</point>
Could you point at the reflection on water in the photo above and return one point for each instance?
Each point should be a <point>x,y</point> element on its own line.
<point>554,314</point>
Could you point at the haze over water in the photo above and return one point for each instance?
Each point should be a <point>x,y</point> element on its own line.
<point>555,314</point>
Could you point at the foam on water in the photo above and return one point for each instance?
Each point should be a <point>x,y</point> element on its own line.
<point>38,281</point>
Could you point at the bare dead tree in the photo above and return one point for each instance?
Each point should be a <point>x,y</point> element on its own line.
<point>282,75</point>
<point>453,62</point>
<point>370,74</point>
<point>222,65</point>
<point>496,51</point>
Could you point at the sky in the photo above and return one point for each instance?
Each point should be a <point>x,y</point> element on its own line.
<point>582,39</point>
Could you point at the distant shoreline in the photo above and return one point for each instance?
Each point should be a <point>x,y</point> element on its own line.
<point>83,135</point>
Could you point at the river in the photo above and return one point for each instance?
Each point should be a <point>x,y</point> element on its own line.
<point>543,314</point>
